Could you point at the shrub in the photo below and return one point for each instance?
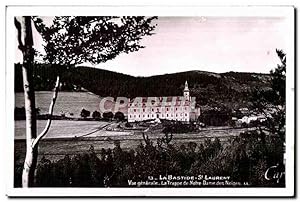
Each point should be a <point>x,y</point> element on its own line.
<point>85,113</point>
<point>107,116</point>
<point>244,158</point>
<point>96,115</point>
<point>119,116</point>
<point>20,112</point>
<point>216,117</point>
<point>128,125</point>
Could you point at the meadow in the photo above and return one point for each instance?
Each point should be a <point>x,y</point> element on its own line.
<point>74,137</point>
<point>112,161</point>
<point>69,104</point>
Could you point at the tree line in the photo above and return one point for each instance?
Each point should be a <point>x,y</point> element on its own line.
<point>106,116</point>
<point>19,114</point>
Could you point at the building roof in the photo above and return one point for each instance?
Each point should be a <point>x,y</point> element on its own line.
<point>186,86</point>
<point>161,101</point>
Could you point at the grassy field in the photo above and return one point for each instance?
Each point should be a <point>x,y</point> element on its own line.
<point>61,138</point>
<point>68,103</point>
<point>64,128</point>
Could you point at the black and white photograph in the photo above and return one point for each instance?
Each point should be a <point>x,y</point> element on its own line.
<point>192,100</point>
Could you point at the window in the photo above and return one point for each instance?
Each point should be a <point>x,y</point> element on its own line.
<point>143,110</point>
<point>134,110</point>
<point>167,109</point>
<point>129,116</point>
<point>167,115</point>
<point>185,114</point>
<point>152,109</point>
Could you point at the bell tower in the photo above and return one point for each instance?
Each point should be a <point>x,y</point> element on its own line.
<point>186,91</point>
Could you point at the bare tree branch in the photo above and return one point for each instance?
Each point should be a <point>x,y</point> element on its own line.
<point>51,107</point>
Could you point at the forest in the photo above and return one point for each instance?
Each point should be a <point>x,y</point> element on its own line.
<point>231,89</point>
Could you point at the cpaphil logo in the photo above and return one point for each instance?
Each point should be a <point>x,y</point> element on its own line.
<point>122,102</point>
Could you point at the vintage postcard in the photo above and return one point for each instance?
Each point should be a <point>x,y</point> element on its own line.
<point>150,101</point>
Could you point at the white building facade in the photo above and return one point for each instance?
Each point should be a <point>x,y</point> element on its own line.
<point>179,108</point>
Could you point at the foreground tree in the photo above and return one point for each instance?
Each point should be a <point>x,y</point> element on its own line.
<point>25,41</point>
<point>71,40</point>
<point>272,104</point>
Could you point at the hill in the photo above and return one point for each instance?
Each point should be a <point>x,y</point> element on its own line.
<point>231,89</point>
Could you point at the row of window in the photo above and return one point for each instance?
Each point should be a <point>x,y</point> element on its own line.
<point>182,100</point>
<point>177,119</point>
<point>158,109</point>
<point>165,104</point>
<point>156,115</point>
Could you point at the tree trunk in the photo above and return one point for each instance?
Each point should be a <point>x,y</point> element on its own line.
<point>25,40</point>
<point>31,153</point>
<point>29,167</point>
<point>23,25</point>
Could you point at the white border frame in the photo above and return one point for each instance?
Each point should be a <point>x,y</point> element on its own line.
<point>266,11</point>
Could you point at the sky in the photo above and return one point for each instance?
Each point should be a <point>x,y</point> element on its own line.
<point>214,44</point>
